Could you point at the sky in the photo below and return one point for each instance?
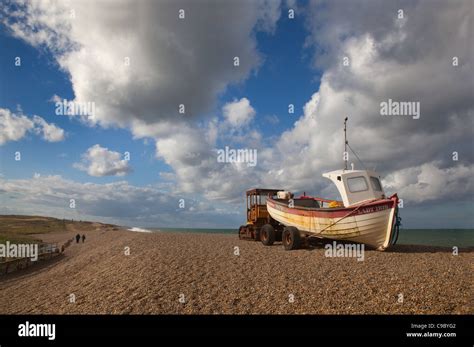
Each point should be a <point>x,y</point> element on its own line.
<point>165,86</point>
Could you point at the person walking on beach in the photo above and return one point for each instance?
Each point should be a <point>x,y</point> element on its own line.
<point>83,238</point>
<point>78,238</point>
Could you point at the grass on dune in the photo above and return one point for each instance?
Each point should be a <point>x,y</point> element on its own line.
<point>21,229</point>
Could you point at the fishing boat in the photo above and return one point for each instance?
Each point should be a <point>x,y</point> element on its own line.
<point>363,215</point>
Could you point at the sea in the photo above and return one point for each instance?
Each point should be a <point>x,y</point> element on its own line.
<point>428,237</point>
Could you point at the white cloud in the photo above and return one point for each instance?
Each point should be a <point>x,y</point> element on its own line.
<point>429,182</point>
<point>386,61</point>
<point>238,112</point>
<point>50,131</point>
<point>56,98</point>
<point>99,161</point>
<point>171,61</point>
<point>272,119</point>
<point>117,202</point>
<point>13,127</point>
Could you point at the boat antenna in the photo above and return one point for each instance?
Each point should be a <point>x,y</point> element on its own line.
<point>345,143</point>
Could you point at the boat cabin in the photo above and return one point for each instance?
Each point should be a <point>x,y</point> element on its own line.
<point>356,186</point>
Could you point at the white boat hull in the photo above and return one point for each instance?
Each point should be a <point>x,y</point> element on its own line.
<point>370,224</point>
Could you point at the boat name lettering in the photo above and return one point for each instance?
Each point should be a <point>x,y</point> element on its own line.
<point>372,209</point>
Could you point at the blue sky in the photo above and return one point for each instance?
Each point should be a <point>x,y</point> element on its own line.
<point>286,77</point>
<point>283,61</point>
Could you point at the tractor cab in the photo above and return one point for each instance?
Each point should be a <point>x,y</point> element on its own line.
<point>257,205</point>
<point>257,214</point>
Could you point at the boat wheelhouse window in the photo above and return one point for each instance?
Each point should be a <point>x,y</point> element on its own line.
<point>357,184</point>
<point>376,184</point>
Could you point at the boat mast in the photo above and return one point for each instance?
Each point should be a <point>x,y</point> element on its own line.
<point>345,145</point>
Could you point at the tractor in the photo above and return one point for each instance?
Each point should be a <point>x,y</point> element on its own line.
<point>260,226</point>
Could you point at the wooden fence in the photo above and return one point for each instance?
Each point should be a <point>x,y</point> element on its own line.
<point>45,251</point>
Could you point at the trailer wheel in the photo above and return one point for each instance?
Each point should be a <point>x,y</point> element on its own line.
<point>291,238</point>
<point>267,235</point>
<point>240,232</point>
